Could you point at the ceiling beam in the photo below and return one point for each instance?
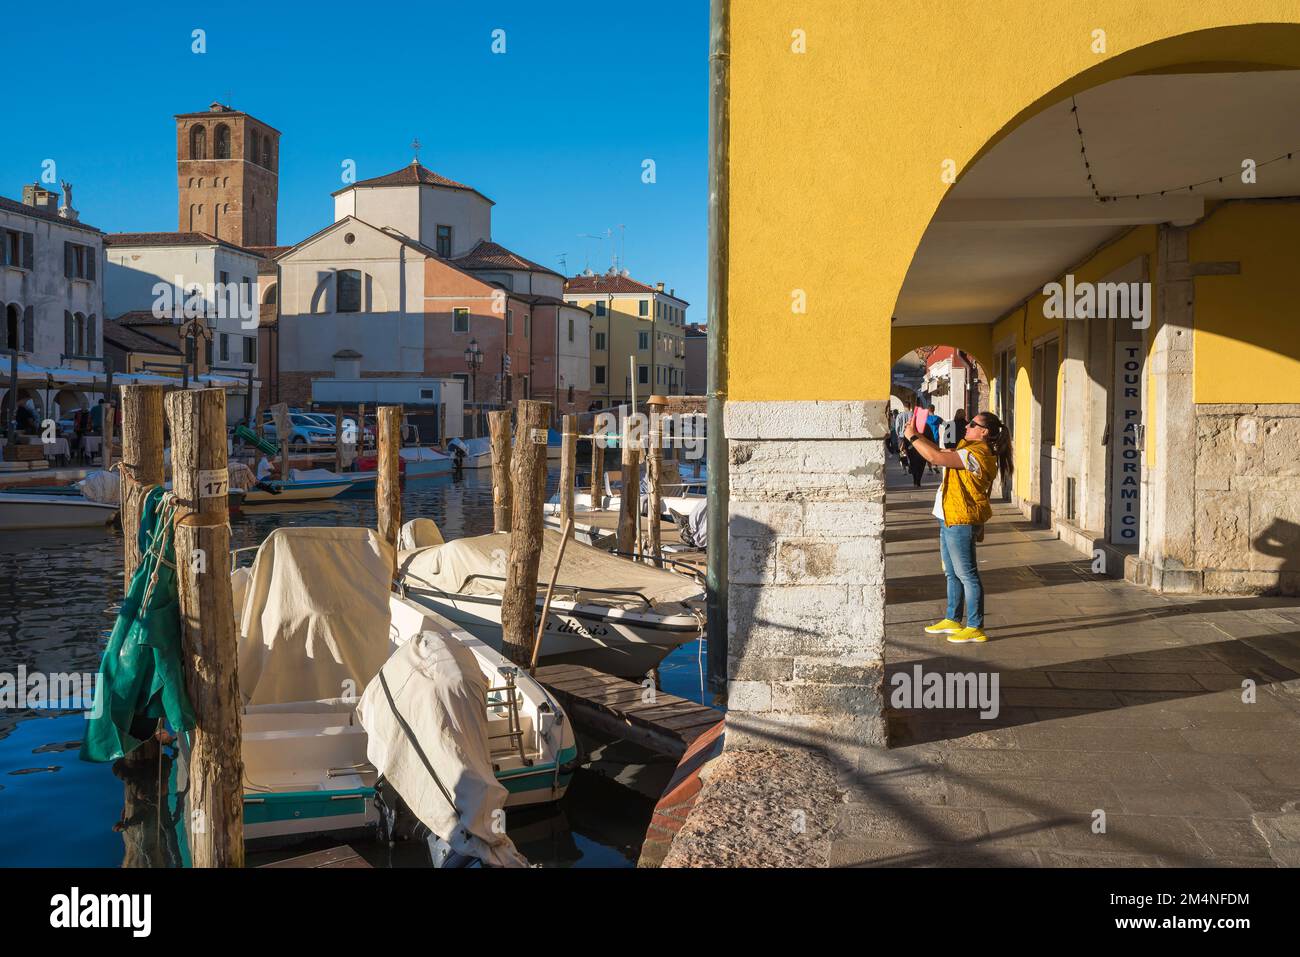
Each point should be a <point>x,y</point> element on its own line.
<point>1051,212</point>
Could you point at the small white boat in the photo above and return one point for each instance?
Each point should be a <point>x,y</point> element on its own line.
<point>312,490</point>
<point>345,682</point>
<point>421,462</point>
<point>608,613</point>
<point>471,453</point>
<point>26,510</point>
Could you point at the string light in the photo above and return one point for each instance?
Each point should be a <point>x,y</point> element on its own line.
<point>1191,187</point>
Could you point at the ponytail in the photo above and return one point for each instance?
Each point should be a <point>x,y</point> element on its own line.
<point>999,439</point>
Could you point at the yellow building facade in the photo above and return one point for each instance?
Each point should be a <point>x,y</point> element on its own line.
<point>638,337</point>
<point>901,177</point>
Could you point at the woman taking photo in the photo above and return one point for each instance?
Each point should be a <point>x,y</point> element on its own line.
<point>962,507</point>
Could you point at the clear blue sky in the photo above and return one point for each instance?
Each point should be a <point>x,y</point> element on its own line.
<point>555,130</point>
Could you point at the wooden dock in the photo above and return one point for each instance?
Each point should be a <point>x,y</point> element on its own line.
<point>342,856</point>
<point>662,722</point>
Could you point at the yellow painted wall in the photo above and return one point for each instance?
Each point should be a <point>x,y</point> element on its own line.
<point>1246,344</point>
<point>836,153</point>
<point>1028,324</point>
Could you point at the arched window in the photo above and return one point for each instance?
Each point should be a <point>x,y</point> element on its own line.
<point>13,327</point>
<point>348,291</point>
<point>272,291</point>
<point>252,148</point>
<point>92,343</point>
<point>222,140</point>
<point>199,143</point>
<point>266,151</point>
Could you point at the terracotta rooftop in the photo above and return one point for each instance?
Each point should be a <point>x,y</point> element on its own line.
<point>14,206</point>
<point>613,282</point>
<point>133,339</point>
<point>413,174</point>
<point>268,254</point>
<point>172,239</point>
<point>490,255</point>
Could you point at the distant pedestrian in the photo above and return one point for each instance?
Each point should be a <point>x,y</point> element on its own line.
<point>97,418</point>
<point>28,423</point>
<point>958,430</point>
<point>934,427</point>
<point>962,507</point>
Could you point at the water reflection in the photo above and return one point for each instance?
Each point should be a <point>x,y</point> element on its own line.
<point>59,594</point>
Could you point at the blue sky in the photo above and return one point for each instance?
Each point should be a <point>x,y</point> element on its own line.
<point>554,130</point>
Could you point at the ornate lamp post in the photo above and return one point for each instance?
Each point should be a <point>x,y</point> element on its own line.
<point>473,359</point>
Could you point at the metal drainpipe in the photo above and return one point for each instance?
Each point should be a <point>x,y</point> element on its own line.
<point>719,215</point>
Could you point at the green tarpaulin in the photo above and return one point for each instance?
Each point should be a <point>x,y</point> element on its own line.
<point>140,677</point>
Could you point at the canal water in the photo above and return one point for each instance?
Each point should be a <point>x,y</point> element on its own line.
<point>59,594</point>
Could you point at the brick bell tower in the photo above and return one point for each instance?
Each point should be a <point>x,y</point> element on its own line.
<point>226,163</point>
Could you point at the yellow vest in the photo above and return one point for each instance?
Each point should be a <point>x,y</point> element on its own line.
<point>965,494</point>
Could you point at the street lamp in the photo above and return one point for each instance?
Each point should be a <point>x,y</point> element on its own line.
<point>473,359</point>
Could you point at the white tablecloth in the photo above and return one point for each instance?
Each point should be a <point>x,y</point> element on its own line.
<point>91,444</point>
<point>56,448</point>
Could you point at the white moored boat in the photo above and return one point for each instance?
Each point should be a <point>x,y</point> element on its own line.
<point>307,490</point>
<point>24,509</point>
<point>345,683</point>
<point>608,613</point>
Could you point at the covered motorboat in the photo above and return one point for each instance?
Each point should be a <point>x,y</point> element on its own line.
<point>615,615</point>
<point>318,623</point>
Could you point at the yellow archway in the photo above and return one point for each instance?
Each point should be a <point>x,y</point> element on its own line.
<point>838,253</point>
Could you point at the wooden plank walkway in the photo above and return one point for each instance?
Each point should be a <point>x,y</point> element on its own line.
<point>341,856</point>
<point>614,706</point>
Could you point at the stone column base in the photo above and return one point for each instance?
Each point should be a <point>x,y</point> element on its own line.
<point>806,574</point>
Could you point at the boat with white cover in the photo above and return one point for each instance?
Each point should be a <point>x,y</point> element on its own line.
<point>608,613</point>
<point>343,682</point>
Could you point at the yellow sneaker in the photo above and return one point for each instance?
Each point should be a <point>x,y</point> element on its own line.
<point>968,634</point>
<point>945,627</point>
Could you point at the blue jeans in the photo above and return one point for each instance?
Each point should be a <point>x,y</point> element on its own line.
<point>965,590</point>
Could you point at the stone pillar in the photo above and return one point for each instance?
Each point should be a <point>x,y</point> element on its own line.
<point>806,574</point>
<point>1167,560</point>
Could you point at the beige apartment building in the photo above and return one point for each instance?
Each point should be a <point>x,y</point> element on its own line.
<point>638,336</point>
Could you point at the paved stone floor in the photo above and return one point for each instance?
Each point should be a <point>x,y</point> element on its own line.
<point>1113,700</point>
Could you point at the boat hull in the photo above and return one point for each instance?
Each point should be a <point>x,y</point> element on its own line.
<point>297,492</point>
<point>22,511</point>
<point>628,646</point>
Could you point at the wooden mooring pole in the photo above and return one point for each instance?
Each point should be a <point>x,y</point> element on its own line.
<point>388,493</point>
<point>109,421</point>
<point>629,511</point>
<point>528,465</point>
<point>142,463</point>
<point>499,431</point>
<point>200,481</point>
<point>568,471</point>
<point>338,439</point>
<point>654,475</point>
<point>597,470</point>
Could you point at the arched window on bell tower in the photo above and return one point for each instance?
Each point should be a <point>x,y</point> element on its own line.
<point>252,148</point>
<point>199,143</point>
<point>222,142</point>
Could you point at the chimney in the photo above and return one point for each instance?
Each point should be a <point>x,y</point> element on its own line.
<point>673,293</point>
<point>659,287</point>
